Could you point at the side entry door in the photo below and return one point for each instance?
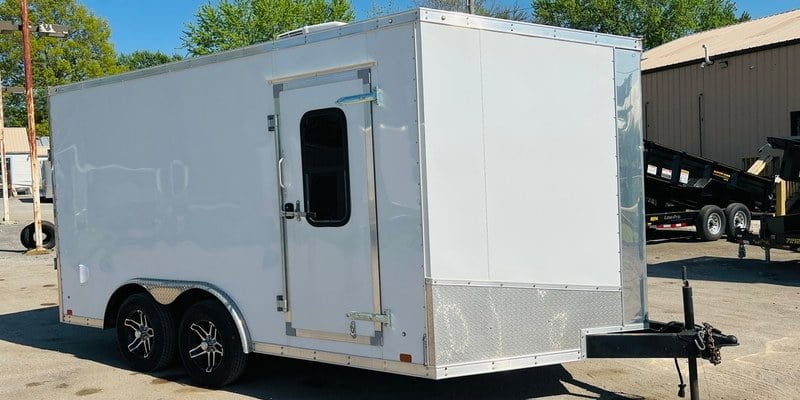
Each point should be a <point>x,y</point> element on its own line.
<point>326,173</point>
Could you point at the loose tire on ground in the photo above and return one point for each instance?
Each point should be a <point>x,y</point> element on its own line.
<point>738,216</point>
<point>209,345</point>
<point>28,233</point>
<point>710,223</point>
<point>146,333</point>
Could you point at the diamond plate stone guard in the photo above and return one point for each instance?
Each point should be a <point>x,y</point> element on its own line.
<point>480,323</point>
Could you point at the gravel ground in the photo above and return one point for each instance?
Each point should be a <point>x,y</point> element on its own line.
<point>757,301</point>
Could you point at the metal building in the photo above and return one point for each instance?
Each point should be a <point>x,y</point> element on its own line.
<point>723,106</point>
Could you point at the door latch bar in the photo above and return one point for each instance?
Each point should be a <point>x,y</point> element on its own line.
<point>376,95</point>
<point>292,211</point>
<point>384,318</point>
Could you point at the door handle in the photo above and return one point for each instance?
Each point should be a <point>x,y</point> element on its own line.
<point>280,173</point>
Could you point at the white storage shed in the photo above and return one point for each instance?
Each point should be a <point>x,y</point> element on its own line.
<point>18,157</point>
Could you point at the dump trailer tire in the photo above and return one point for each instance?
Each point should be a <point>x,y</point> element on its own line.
<point>145,333</point>
<point>738,216</point>
<point>209,345</point>
<point>27,235</point>
<point>710,223</point>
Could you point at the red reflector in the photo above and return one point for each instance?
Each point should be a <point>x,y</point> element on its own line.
<point>405,357</point>
<point>69,312</point>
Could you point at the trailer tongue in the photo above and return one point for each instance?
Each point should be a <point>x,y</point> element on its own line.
<point>667,340</point>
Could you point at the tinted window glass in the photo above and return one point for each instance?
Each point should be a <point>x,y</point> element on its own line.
<point>326,181</point>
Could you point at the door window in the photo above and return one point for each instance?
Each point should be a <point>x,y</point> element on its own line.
<point>326,180</point>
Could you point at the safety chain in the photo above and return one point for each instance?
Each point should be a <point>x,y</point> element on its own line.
<point>705,343</point>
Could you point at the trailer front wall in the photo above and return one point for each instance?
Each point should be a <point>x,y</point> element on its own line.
<point>522,193</point>
<point>173,177</point>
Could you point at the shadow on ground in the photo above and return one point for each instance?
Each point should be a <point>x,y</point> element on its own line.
<point>786,273</point>
<point>276,377</point>
<point>29,200</point>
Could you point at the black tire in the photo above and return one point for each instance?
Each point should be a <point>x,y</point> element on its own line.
<point>27,235</point>
<point>738,216</point>
<point>210,320</point>
<point>710,223</point>
<point>140,310</point>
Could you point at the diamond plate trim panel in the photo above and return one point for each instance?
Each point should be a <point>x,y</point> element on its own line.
<point>165,294</point>
<point>475,323</point>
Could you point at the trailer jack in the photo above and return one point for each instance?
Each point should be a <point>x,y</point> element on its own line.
<point>667,340</point>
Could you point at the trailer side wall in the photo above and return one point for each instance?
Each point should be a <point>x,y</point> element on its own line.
<point>173,177</point>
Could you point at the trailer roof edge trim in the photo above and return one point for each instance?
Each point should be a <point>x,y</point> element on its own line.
<point>413,15</point>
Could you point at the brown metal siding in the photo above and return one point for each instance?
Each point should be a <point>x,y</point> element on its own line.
<point>730,109</point>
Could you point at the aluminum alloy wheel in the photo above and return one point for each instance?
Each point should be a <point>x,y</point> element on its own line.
<point>740,219</point>
<point>208,352</point>
<point>140,333</point>
<point>714,223</point>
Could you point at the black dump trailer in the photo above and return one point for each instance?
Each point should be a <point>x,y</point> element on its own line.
<point>687,190</point>
<point>781,231</point>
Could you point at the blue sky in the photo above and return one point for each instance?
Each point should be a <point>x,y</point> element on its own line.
<point>157,24</point>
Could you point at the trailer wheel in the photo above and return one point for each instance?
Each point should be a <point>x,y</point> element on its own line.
<point>738,216</point>
<point>145,333</point>
<point>209,345</point>
<point>28,235</point>
<point>710,223</point>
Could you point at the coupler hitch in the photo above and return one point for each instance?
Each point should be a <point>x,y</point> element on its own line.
<point>667,340</point>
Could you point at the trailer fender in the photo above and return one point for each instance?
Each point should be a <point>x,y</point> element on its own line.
<point>167,291</point>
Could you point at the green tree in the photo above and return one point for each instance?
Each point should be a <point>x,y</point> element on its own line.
<point>145,59</point>
<point>657,21</point>
<point>230,24</point>
<point>86,53</point>
<point>482,7</point>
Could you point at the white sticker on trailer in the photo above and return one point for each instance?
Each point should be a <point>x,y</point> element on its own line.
<point>684,178</point>
<point>652,169</point>
<point>666,173</point>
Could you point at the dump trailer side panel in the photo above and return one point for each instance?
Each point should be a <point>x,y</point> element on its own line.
<point>521,154</point>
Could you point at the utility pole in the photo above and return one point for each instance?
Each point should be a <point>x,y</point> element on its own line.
<point>3,169</point>
<point>26,51</point>
<point>471,6</point>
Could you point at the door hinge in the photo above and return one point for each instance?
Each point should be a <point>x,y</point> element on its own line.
<point>281,302</point>
<point>272,122</point>
<point>384,318</point>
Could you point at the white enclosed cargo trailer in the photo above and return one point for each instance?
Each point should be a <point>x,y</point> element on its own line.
<point>397,194</point>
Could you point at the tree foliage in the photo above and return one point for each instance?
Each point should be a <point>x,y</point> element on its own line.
<point>482,7</point>
<point>145,59</point>
<point>657,21</point>
<point>230,24</point>
<point>86,53</point>
<point>380,8</point>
